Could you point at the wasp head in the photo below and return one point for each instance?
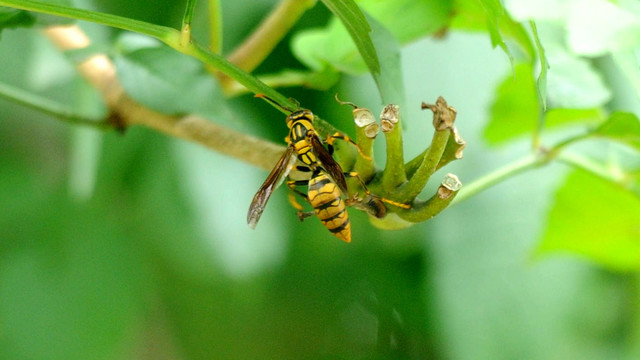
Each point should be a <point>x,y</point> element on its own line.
<point>302,114</point>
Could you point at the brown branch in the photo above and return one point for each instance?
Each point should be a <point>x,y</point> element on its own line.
<point>101,73</point>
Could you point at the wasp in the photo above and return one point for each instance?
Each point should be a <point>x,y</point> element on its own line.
<point>325,197</point>
<point>327,180</point>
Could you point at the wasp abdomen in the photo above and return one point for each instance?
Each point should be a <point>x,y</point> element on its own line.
<point>324,196</point>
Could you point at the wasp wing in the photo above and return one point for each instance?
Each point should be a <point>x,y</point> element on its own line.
<point>329,164</point>
<point>275,178</point>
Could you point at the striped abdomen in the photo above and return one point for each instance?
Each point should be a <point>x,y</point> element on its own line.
<point>324,196</point>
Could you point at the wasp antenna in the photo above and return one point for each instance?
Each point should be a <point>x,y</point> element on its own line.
<point>345,102</point>
<point>263,96</point>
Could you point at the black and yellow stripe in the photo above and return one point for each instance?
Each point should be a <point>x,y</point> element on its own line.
<point>301,124</point>
<point>324,197</point>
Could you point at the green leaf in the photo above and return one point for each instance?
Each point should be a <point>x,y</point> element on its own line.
<point>407,20</point>
<point>389,79</point>
<point>70,291</point>
<point>544,66</point>
<point>623,127</point>
<point>596,27</point>
<point>562,116</point>
<point>627,62</point>
<point>494,11</point>
<point>358,27</point>
<point>595,219</point>
<point>13,18</point>
<point>166,81</point>
<point>515,110</point>
<point>489,15</point>
<point>573,82</point>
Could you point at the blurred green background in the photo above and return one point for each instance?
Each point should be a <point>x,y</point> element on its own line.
<point>135,245</point>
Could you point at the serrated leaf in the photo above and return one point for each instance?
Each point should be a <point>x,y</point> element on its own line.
<point>515,110</point>
<point>358,27</point>
<point>623,127</point>
<point>13,18</point>
<point>595,219</point>
<point>166,81</point>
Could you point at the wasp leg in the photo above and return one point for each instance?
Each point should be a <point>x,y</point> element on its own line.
<point>292,198</point>
<point>331,138</point>
<point>368,192</point>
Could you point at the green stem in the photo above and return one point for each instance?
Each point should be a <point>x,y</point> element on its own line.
<point>581,162</point>
<point>215,24</point>
<point>425,210</point>
<point>288,78</point>
<point>264,39</point>
<point>364,167</point>
<point>564,143</point>
<point>49,107</point>
<point>393,174</point>
<point>497,176</point>
<point>431,159</point>
<point>250,82</point>
<point>167,35</point>
<point>185,33</point>
<point>160,32</point>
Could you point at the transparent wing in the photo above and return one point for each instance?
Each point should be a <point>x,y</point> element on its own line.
<point>275,178</point>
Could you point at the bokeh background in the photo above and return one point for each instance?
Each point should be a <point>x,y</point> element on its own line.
<point>135,245</point>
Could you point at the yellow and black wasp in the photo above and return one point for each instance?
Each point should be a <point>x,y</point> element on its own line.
<point>327,180</point>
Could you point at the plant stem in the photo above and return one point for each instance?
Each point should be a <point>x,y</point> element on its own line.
<point>50,107</point>
<point>160,32</point>
<point>595,168</point>
<point>100,72</point>
<point>393,174</point>
<point>167,35</point>
<point>264,39</point>
<point>215,26</point>
<point>425,210</point>
<point>409,190</point>
<point>185,33</point>
<point>497,176</point>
